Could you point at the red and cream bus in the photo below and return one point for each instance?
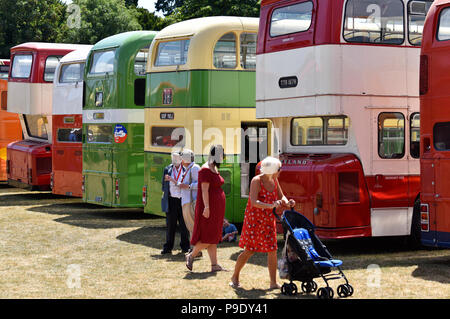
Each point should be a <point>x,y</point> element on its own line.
<point>340,81</point>
<point>4,69</point>
<point>435,126</point>
<point>30,84</point>
<point>67,159</point>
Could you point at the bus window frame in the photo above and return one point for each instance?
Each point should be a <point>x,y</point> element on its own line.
<point>323,130</point>
<point>59,57</point>
<point>67,65</point>
<point>31,67</point>
<point>70,142</point>
<point>154,56</point>
<point>168,127</point>
<point>408,21</point>
<point>283,5</point>
<point>100,124</point>
<point>240,65</point>
<point>411,117</point>
<point>91,63</point>
<point>438,24</point>
<point>404,136</point>
<point>237,50</point>
<point>405,25</point>
<point>148,56</point>
<point>436,125</point>
<point>27,127</point>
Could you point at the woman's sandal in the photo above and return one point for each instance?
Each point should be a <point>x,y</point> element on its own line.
<point>234,285</point>
<point>189,261</point>
<point>217,267</point>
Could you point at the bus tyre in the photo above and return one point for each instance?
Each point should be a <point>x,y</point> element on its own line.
<point>414,239</point>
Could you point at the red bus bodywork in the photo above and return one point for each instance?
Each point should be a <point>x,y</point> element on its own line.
<point>30,160</point>
<point>435,113</point>
<point>67,158</point>
<point>10,129</point>
<point>332,189</point>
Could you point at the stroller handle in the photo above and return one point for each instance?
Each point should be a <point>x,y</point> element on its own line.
<point>274,211</point>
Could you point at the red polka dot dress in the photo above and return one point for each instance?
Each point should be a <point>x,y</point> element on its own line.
<point>259,232</point>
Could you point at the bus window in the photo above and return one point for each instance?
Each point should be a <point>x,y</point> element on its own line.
<point>391,135</point>
<point>103,62</point>
<point>69,135</point>
<point>35,125</point>
<point>441,134</point>
<point>417,11</point>
<point>102,133</point>
<point>4,70</point>
<point>443,33</point>
<point>248,50</point>
<point>172,53</point>
<point>21,66</point>
<point>414,138</point>
<point>140,61</point>
<point>374,21</point>
<point>225,52</point>
<point>71,73</point>
<point>291,19</point>
<point>319,131</point>
<point>50,67</point>
<point>168,136</point>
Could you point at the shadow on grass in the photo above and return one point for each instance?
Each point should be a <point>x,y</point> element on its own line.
<point>29,198</point>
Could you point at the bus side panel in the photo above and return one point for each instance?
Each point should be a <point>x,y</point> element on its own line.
<point>442,200</point>
<point>154,169</point>
<point>97,170</point>
<point>10,131</point>
<point>128,167</point>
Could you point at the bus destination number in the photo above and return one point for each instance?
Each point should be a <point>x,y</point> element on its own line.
<point>288,82</point>
<point>167,116</point>
<point>167,96</point>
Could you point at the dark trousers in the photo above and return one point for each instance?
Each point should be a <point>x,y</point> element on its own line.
<point>174,215</point>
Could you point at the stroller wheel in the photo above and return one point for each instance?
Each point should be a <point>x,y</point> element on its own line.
<point>283,289</point>
<point>350,289</point>
<point>323,293</point>
<point>330,292</point>
<point>343,291</point>
<point>293,289</point>
<point>309,286</point>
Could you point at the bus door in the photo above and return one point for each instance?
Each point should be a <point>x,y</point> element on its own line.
<point>254,148</point>
<point>388,183</point>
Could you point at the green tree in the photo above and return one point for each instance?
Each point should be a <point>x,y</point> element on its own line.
<point>102,18</point>
<point>167,7</point>
<point>150,21</point>
<point>30,20</point>
<point>131,3</point>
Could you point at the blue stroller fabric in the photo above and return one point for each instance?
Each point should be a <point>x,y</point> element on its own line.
<point>302,235</point>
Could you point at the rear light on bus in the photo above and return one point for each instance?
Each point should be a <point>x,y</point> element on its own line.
<point>117,189</point>
<point>424,217</point>
<point>8,166</point>
<point>82,183</point>
<point>423,74</point>
<point>51,180</point>
<point>144,195</point>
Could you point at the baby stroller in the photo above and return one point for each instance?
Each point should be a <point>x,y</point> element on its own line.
<point>306,258</point>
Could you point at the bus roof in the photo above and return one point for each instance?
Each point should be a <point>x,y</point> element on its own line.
<point>77,55</point>
<point>203,34</point>
<point>38,46</point>
<point>122,39</point>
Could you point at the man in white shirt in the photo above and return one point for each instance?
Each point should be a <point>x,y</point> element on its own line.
<point>174,214</point>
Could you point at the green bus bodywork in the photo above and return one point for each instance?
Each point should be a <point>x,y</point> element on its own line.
<point>116,99</point>
<point>208,89</point>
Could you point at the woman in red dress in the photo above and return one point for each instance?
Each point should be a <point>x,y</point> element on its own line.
<point>259,232</point>
<point>209,210</point>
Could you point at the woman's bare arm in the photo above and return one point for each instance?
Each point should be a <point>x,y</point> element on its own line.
<point>205,197</point>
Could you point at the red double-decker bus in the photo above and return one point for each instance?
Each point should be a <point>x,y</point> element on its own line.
<point>340,81</point>
<point>435,126</point>
<point>30,84</point>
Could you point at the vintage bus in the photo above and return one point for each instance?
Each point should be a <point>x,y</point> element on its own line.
<point>340,81</point>
<point>67,116</point>
<point>30,85</point>
<point>4,69</point>
<point>10,129</point>
<point>435,127</point>
<point>113,120</point>
<point>201,91</point>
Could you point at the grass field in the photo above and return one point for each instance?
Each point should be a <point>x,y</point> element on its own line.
<point>58,247</point>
